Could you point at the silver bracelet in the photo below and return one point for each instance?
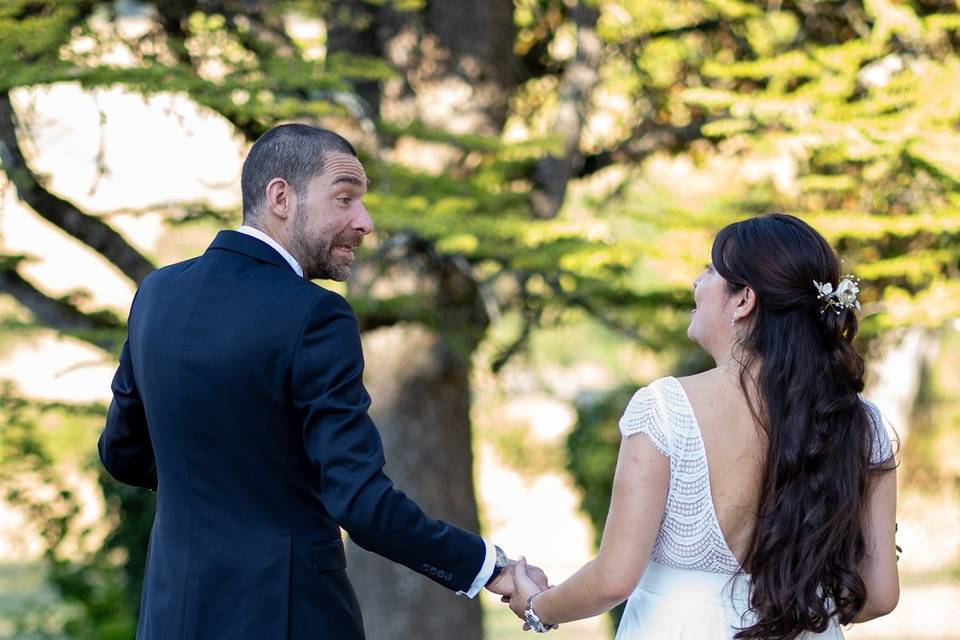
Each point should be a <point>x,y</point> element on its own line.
<point>532,619</point>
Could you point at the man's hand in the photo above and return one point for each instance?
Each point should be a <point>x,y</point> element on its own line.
<point>503,586</point>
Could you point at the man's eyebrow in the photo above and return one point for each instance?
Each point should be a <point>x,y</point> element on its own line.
<point>351,180</point>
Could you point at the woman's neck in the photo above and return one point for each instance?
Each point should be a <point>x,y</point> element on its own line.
<point>732,368</point>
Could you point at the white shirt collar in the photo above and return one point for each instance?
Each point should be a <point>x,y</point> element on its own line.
<point>260,235</point>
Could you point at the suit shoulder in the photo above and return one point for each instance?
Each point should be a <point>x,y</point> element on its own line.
<point>162,273</point>
<point>324,302</point>
<point>172,269</point>
<point>329,317</point>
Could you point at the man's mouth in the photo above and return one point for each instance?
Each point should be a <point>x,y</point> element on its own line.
<point>347,247</point>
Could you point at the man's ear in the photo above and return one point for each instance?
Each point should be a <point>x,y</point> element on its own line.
<point>280,197</point>
<point>746,300</point>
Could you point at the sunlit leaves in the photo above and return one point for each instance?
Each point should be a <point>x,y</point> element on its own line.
<point>872,129</point>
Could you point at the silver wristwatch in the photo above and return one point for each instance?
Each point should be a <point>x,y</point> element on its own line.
<point>502,562</point>
<point>532,619</point>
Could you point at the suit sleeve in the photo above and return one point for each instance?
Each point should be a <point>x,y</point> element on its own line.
<point>125,448</point>
<point>341,439</point>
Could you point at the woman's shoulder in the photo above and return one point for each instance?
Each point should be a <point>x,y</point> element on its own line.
<point>702,391</point>
<point>696,382</point>
<point>881,445</point>
<point>655,409</point>
<point>648,392</point>
<point>873,411</point>
<point>645,414</point>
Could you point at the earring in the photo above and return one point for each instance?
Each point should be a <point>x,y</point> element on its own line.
<point>733,322</point>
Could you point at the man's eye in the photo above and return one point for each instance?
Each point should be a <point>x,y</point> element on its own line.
<point>345,201</point>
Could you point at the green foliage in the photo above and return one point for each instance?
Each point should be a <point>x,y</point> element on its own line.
<point>26,458</point>
<point>850,102</point>
<point>592,449</point>
<point>97,593</point>
<point>839,112</point>
<point>868,120</point>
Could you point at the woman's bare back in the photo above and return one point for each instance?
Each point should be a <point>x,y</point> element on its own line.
<point>735,448</point>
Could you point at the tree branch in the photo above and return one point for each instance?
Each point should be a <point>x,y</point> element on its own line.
<point>100,330</point>
<point>377,313</point>
<point>173,15</point>
<point>531,314</point>
<point>706,25</point>
<point>88,229</point>
<point>552,173</point>
<point>266,38</point>
<point>646,139</point>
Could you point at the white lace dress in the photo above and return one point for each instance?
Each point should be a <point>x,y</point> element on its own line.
<point>688,589</point>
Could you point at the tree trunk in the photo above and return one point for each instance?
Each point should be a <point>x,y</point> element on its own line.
<point>456,72</point>
<point>352,28</point>
<point>896,373</point>
<point>457,64</point>
<point>420,387</point>
<point>581,75</point>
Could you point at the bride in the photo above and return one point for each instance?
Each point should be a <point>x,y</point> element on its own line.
<point>757,499</point>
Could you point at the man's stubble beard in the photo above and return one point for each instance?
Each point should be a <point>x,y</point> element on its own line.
<point>316,254</point>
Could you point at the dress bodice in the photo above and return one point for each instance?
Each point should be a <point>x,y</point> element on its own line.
<point>690,536</point>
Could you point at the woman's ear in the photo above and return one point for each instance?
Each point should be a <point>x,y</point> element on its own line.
<point>746,300</point>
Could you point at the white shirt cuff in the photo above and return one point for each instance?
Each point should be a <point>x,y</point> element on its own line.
<point>486,570</point>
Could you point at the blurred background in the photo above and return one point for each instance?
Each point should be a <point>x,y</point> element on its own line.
<point>547,177</point>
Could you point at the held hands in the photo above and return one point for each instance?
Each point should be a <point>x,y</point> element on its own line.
<point>504,584</point>
<point>516,583</point>
<point>526,585</point>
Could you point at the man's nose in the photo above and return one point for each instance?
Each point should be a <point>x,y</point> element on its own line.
<point>363,222</point>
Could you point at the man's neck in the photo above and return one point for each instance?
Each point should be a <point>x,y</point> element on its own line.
<point>270,240</point>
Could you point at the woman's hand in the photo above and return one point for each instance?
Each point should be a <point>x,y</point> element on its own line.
<point>523,588</point>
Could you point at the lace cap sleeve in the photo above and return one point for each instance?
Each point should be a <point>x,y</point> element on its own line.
<point>882,447</point>
<point>643,415</point>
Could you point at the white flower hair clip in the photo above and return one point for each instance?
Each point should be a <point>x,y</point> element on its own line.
<point>845,297</point>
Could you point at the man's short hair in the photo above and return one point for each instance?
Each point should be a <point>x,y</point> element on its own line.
<point>294,152</point>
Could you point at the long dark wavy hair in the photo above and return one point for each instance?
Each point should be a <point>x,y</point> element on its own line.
<point>808,543</point>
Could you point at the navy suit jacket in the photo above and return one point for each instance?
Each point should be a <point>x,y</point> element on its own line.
<point>239,398</point>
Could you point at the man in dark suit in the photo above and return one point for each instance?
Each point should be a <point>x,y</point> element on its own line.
<point>239,399</point>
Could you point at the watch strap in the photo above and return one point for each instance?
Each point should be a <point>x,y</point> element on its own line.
<point>501,563</point>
